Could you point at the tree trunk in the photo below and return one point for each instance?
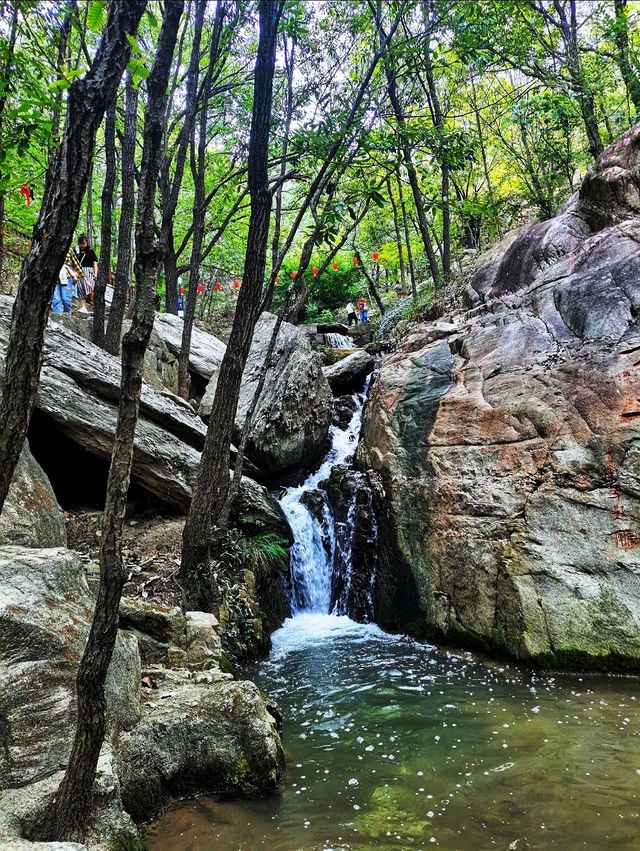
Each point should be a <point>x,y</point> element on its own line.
<point>88,98</point>
<point>125,225</point>
<point>198,169</point>
<point>372,284</point>
<point>212,483</point>
<point>73,803</point>
<point>621,31</point>
<point>105,226</point>
<point>289,58</point>
<point>172,187</point>
<point>396,227</point>
<point>405,225</point>
<point>6,76</point>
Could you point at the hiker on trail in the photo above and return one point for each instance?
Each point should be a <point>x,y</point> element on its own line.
<point>398,289</point>
<point>88,260</point>
<point>63,292</point>
<point>364,310</point>
<point>352,316</point>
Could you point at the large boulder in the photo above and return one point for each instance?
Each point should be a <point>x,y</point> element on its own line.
<point>206,352</point>
<point>201,737</point>
<point>45,613</point>
<point>348,374</point>
<point>506,445</point>
<point>31,516</point>
<point>291,422</point>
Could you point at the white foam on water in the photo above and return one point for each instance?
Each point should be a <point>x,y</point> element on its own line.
<point>310,629</point>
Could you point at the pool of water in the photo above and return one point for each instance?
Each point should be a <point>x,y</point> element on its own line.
<point>396,744</point>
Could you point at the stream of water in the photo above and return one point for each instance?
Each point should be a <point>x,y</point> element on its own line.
<point>395,744</point>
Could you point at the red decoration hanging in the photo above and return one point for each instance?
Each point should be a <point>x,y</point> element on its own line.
<point>314,271</point>
<point>200,288</point>
<point>236,285</point>
<point>376,256</point>
<point>294,274</point>
<point>276,279</point>
<point>181,290</point>
<point>356,262</point>
<point>24,190</point>
<point>334,266</point>
<point>217,287</point>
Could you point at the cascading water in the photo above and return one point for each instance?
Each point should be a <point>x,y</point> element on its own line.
<point>312,522</point>
<point>339,341</point>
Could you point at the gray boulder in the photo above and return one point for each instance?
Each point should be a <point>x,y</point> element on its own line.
<point>504,444</point>
<point>348,374</point>
<point>292,418</point>
<point>199,738</point>
<point>45,612</point>
<point>31,516</point>
<point>206,352</point>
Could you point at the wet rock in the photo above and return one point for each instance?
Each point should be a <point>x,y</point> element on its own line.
<point>291,421</point>
<point>45,612</point>
<point>348,375</point>
<point>203,739</point>
<point>31,515</point>
<point>506,449</point>
<point>344,407</point>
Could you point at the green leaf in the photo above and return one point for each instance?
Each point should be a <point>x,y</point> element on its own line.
<point>96,15</point>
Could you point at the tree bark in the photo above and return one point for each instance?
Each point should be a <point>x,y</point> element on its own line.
<point>6,75</point>
<point>372,284</point>
<point>171,187</point>
<point>212,482</point>
<point>405,225</point>
<point>289,61</point>
<point>125,225</point>
<point>396,227</point>
<point>105,226</point>
<point>65,183</point>
<point>198,167</point>
<point>72,806</point>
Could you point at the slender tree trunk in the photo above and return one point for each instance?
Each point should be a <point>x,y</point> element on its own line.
<point>89,207</point>
<point>396,227</point>
<point>125,225</point>
<point>87,101</point>
<point>405,225</point>
<point>212,483</point>
<point>372,284</point>
<point>289,58</point>
<point>6,77</point>
<point>198,167</point>
<point>73,803</point>
<point>621,32</point>
<point>105,226</point>
<point>172,186</point>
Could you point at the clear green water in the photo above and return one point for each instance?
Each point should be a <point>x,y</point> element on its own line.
<point>395,744</point>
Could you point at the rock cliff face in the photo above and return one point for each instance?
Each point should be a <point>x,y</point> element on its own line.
<point>507,441</point>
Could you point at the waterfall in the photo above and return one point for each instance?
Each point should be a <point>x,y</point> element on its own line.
<point>312,521</point>
<point>339,341</point>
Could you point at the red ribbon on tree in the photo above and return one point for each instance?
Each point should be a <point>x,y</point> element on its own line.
<point>236,285</point>
<point>217,287</point>
<point>181,290</point>
<point>294,274</point>
<point>376,256</point>
<point>200,288</point>
<point>24,190</point>
<point>276,279</point>
<point>356,262</point>
<point>314,271</point>
<point>334,266</point>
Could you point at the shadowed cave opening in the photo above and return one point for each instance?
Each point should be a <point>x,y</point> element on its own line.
<point>79,478</point>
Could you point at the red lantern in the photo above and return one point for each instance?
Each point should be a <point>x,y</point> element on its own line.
<point>24,190</point>
<point>334,266</point>
<point>314,271</point>
<point>276,279</point>
<point>294,274</point>
<point>200,288</point>
<point>376,256</point>
<point>217,287</point>
<point>181,290</point>
<point>236,285</point>
<point>356,262</point>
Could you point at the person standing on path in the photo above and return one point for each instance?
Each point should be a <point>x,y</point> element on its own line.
<point>364,310</point>
<point>88,260</point>
<point>63,293</point>
<point>352,316</point>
